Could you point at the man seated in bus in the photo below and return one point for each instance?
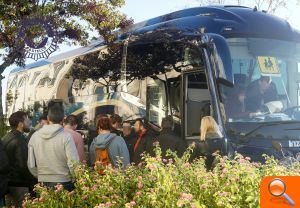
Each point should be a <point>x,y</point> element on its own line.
<point>259,92</point>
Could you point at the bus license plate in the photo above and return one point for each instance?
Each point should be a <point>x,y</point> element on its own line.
<point>294,143</point>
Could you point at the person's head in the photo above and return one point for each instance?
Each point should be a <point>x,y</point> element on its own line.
<point>139,125</point>
<point>208,125</point>
<point>167,123</point>
<point>43,120</point>
<point>115,121</point>
<point>103,124</point>
<point>264,83</point>
<point>19,121</point>
<point>56,115</point>
<point>71,120</point>
<point>127,128</point>
<point>241,93</point>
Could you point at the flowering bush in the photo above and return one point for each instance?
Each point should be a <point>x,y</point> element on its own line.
<point>166,183</point>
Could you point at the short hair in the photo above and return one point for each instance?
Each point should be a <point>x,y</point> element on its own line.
<point>115,118</point>
<point>140,120</point>
<point>167,122</point>
<point>71,120</point>
<point>16,118</point>
<point>266,78</point>
<point>103,123</point>
<point>56,114</point>
<point>43,117</point>
<point>127,124</point>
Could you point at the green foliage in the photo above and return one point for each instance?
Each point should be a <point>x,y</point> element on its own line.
<point>3,127</point>
<point>167,183</point>
<point>72,20</point>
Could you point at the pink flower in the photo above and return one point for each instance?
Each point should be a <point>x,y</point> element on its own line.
<point>132,203</point>
<point>85,188</point>
<point>153,166</point>
<point>138,193</point>
<point>242,160</point>
<point>187,165</point>
<point>140,185</point>
<point>41,199</point>
<point>139,178</point>
<point>248,158</point>
<point>84,197</point>
<point>95,187</point>
<point>59,187</point>
<point>225,170</point>
<point>185,196</point>
<point>71,193</point>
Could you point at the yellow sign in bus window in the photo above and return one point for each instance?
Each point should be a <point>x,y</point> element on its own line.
<point>268,65</point>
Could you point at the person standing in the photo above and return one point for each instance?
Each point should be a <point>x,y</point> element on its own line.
<point>144,142</point>
<point>114,144</point>
<point>52,152</point>
<point>4,170</point>
<point>169,140</point>
<point>70,125</point>
<point>15,146</point>
<point>130,137</point>
<point>115,123</point>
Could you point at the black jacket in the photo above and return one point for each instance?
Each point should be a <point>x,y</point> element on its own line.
<point>255,99</point>
<point>15,146</point>
<point>168,140</point>
<point>145,145</point>
<point>130,141</point>
<point>4,169</point>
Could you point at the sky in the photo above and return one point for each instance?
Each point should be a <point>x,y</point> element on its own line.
<point>141,10</point>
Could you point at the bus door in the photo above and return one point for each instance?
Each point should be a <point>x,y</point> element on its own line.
<point>196,105</point>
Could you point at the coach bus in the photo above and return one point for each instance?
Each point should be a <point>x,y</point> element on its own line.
<point>237,64</point>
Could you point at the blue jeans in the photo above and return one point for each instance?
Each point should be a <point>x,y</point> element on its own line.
<point>69,186</point>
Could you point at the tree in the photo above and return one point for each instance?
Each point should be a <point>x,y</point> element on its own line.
<point>147,55</point>
<point>71,20</point>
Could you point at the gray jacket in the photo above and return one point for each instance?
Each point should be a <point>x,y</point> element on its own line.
<point>52,154</point>
<point>117,149</point>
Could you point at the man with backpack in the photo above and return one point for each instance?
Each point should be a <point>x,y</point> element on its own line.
<point>4,169</point>
<point>108,148</point>
<point>15,145</point>
<point>52,152</point>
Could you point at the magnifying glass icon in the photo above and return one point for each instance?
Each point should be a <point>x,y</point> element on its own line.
<point>277,188</point>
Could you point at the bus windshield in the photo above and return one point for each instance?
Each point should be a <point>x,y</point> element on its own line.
<point>266,81</point>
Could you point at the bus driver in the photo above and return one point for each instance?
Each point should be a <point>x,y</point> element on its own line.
<point>259,92</point>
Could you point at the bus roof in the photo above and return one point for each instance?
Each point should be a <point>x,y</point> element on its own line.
<point>228,21</point>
